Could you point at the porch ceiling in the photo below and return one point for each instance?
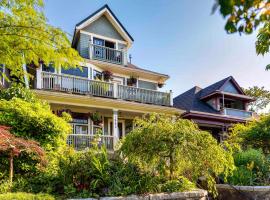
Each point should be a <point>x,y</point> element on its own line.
<point>103,103</point>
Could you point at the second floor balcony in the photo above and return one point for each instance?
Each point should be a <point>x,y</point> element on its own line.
<point>106,54</point>
<point>78,85</point>
<point>238,113</point>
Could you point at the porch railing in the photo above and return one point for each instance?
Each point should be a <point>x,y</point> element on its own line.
<point>238,113</point>
<point>83,141</point>
<point>106,54</point>
<point>143,95</point>
<point>73,84</point>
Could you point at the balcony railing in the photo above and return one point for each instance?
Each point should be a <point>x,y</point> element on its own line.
<point>143,95</point>
<point>72,84</point>
<point>106,54</point>
<point>238,113</point>
<point>83,141</point>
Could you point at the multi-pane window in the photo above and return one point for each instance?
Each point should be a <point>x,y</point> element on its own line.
<point>78,71</point>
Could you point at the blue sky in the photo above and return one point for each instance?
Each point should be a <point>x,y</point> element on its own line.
<point>177,37</point>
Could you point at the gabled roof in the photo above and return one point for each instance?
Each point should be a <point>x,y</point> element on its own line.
<point>218,86</point>
<point>94,16</point>
<point>190,101</point>
<point>195,98</point>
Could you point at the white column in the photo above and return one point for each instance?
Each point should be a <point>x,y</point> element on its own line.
<point>125,58</point>
<point>25,76</point>
<point>171,98</point>
<point>115,127</point>
<point>115,90</point>
<point>38,77</point>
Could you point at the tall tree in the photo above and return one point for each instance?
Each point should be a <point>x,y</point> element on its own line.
<point>244,16</point>
<point>26,37</point>
<point>261,95</point>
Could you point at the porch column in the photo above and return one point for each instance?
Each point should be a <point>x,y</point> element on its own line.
<point>38,77</point>
<point>171,98</point>
<point>115,127</point>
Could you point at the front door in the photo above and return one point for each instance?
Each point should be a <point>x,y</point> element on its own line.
<point>121,128</point>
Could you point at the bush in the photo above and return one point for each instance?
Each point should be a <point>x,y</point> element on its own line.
<point>181,185</point>
<point>25,196</point>
<point>252,168</point>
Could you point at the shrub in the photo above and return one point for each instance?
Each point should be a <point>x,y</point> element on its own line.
<point>172,148</point>
<point>180,185</point>
<point>252,168</point>
<point>25,196</point>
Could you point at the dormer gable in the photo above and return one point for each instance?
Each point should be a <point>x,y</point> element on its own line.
<point>103,22</point>
<point>231,86</point>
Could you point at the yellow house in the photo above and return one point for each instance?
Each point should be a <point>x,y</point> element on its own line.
<point>108,91</point>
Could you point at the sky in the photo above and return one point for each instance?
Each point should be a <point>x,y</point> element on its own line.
<point>180,38</point>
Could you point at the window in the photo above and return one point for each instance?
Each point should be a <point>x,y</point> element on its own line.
<point>82,72</point>
<point>147,85</point>
<point>97,75</point>
<point>231,103</point>
<point>79,123</point>
<point>48,68</point>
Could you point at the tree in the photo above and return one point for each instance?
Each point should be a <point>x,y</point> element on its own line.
<point>244,17</point>
<point>261,95</point>
<point>14,146</point>
<point>255,134</point>
<point>174,148</point>
<point>27,38</point>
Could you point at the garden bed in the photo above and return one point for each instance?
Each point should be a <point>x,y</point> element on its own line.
<point>197,194</point>
<point>226,192</point>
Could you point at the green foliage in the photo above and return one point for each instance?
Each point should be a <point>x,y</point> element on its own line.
<point>27,38</point>
<point>25,196</point>
<point>252,168</point>
<point>181,185</point>
<point>255,134</point>
<point>261,95</point>
<point>31,118</point>
<point>18,91</point>
<point>173,148</point>
<point>245,17</point>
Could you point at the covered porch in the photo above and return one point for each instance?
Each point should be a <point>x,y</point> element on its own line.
<point>116,116</point>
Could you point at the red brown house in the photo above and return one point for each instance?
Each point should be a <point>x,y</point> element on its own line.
<point>216,107</point>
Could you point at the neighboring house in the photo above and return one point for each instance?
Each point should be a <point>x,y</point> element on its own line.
<point>108,91</point>
<point>216,107</point>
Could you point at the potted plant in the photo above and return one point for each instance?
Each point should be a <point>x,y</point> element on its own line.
<point>160,85</point>
<point>96,118</point>
<point>107,75</point>
<point>131,81</point>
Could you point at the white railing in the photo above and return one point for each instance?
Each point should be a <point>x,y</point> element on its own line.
<point>238,113</point>
<point>106,54</point>
<point>143,95</point>
<point>73,84</point>
<point>83,141</point>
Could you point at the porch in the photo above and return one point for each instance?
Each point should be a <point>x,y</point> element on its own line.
<point>79,85</point>
<point>87,124</point>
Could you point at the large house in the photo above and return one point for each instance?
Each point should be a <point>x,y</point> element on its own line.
<point>216,107</point>
<point>108,91</point>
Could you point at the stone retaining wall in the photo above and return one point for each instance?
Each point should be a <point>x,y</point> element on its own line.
<point>191,195</point>
<point>243,192</point>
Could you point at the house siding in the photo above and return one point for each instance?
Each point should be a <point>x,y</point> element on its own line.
<point>83,45</point>
<point>103,27</point>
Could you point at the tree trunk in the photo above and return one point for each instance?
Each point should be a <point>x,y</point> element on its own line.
<point>11,168</point>
<point>171,166</point>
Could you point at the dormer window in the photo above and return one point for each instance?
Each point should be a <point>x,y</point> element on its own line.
<point>231,103</point>
<point>104,43</point>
